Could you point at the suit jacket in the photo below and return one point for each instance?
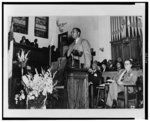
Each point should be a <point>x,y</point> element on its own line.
<point>83,46</point>
<point>129,78</point>
<point>95,77</point>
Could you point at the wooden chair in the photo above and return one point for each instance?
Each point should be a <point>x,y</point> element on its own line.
<point>140,92</point>
<point>125,96</point>
<point>101,95</point>
<point>130,97</point>
<point>102,91</point>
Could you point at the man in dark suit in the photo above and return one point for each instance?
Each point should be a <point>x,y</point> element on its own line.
<point>95,78</point>
<point>35,44</point>
<point>80,49</point>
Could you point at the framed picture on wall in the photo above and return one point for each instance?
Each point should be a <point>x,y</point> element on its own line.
<point>41,27</point>
<point>20,25</point>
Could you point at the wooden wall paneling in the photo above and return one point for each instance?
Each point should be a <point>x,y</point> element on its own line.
<point>126,51</point>
<point>122,51</point>
<point>113,46</point>
<point>135,51</point>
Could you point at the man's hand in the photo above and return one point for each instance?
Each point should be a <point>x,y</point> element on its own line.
<point>77,53</point>
<point>90,70</point>
<point>120,83</point>
<point>119,80</point>
<point>90,83</point>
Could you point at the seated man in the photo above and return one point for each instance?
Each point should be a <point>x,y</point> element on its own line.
<point>95,77</point>
<point>124,77</point>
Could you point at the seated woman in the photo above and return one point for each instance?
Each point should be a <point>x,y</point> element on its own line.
<point>110,66</point>
<point>124,77</point>
<point>95,78</point>
<point>119,65</point>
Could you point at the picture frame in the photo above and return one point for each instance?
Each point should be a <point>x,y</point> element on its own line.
<point>20,24</point>
<point>41,27</point>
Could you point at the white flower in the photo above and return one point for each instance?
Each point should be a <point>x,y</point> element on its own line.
<point>32,97</point>
<point>35,93</point>
<point>29,76</point>
<point>95,75</point>
<point>46,75</point>
<point>29,97</point>
<point>25,80</point>
<point>36,78</point>
<point>50,89</point>
<point>44,92</point>
<point>22,96</point>
<point>16,102</point>
<point>16,96</point>
<point>30,93</point>
<point>131,74</point>
<point>22,57</point>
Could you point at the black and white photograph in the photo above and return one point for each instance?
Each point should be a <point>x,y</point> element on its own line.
<point>72,60</point>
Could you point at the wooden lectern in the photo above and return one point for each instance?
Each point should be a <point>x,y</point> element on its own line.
<point>77,88</point>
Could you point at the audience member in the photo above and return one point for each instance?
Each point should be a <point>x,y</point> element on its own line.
<point>119,66</point>
<point>110,66</point>
<point>99,66</point>
<point>23,40</point>
<point>27,42</point>
<point>35,44</point>
<point>104,67</point>
<point>125,76</point>
<point>53,54</point>
<point>95,78</point>
<point>119,59</point>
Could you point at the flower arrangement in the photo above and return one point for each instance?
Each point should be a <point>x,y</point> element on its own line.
<point>22,58</point>
<point>19,97</point>
<point>38,87</point>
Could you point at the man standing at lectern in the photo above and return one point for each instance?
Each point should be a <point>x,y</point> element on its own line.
<point>79,50</point>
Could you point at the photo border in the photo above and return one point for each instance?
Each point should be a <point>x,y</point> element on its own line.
<point>79,3</point>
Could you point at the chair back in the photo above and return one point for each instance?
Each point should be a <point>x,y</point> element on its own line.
<point>109,74</point>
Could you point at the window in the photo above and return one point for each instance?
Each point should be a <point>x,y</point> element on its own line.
<point>20,24</point>
<point>41,27</point>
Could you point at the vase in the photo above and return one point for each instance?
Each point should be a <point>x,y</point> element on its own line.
<point>33,105</point>
<point>37,103</point>
<point>37,107</point>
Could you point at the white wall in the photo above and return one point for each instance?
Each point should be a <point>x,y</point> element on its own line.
<point>104,38</point>
<point>96,29</point>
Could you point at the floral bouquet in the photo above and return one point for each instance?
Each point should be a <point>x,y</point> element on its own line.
<point>22,58</point>
<point>38,87</point>
<point>20,99</point>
